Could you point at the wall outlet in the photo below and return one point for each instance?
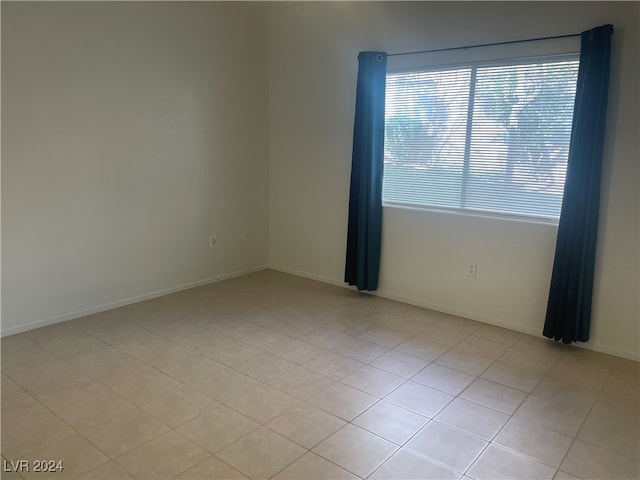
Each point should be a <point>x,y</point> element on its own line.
<point>244,236</point>
<point>213,241</point>
<point>471,269</point>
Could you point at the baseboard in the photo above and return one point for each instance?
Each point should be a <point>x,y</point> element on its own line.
<point>310,276</point>
<point>127,301</point>
<point>596,347</point>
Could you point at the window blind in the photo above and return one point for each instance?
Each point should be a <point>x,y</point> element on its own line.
<point>486,138</point>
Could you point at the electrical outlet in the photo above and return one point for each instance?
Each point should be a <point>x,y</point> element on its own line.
<point>471,269</point>
<point>213,241</point>
<point>244,236</point>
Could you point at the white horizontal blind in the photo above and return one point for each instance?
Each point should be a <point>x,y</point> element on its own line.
<point>484,138</point>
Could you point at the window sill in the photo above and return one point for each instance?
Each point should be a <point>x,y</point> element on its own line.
<point>530,219</point>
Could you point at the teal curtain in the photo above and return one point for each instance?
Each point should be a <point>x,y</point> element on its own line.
<point>364,229</point>
<point>568,315</point>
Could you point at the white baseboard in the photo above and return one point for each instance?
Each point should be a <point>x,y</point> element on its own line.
<point>310,276</point>
<point>127,301</point>
<point>596,347</point>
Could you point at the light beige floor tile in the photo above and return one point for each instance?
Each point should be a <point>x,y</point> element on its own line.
<point>360,350</point>
<point>148,388</point>
<point>406,465</point>
<point>51,332</point>
<point>109,366</point>
<point>534,441</point>
<point>68,389</point>
<point>410,326</point>
<point>76,454</point>
<point>498,334</point>
<point>24,437</point>
<point>472,418</point>
<point>107,471</point>
<point>265,367</point>
<point>163,457</point>
<point>465,361</point>
<point>124,432</point>
<point>589,461</point>
<point>333,365</point>
<point>313,467</point>
<point>497,463</point>
<point>356,450</point>
<point>180,406</point>
<point>177,332</point>
<point>225,385</point>
<point>532,360</point>
<point>8,387</point>
<point>623,409</point>
<point>92,410</point>
<point>306,425</point>
<point>71,344</point>
<point>421,314</point>
<point>444,379</point>
<point>559,417</point>
<point>343,401</point>
<point>373,381</point>
<point>296,351</point>
<point>617,437</point>
<point>442,335</point>
<point>458,323</point>
<point>13,343</point>
<point>20,407</point>
<point>351,326</point>
<point>264,338</point>
<point>584,373</point>
<point>207,341</point>
<point>563,391</point>
<point>49,373</point>
<point>218,428</point>
<point>261,454</point>
<point>326,338</point>
<point>586,357</point>
<point>450,447</point>
<point>384,336</point>
<point>511,376</point>
<point>111,331</point>
<point>422,347</point>
<point>390,422</point>
<point>482,346</point>
<point>193,370</point>
<point>493,395</point>
<point>540,345</point>
<point>232,353</point>
<point>301,383</point>
<point>560,475</point>
<point>419,398</point>
<point>292,326</point>
<point>263,403</point>
<point>399,363</point>
<point>212,469</point>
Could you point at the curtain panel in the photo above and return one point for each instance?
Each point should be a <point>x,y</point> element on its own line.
<point>568,316</point>
<point>364,228</point>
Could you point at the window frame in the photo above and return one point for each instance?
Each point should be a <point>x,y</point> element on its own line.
<point>473,66</point>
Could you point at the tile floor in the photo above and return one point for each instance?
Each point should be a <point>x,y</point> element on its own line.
<point>273,376</point>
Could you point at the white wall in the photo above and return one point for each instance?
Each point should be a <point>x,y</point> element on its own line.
<point>130,133</point>
<point>312,77</point>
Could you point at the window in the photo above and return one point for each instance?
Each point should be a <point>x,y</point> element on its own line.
<point>483,137</point>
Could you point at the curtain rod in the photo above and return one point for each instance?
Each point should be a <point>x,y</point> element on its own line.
<point>485,45</point>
